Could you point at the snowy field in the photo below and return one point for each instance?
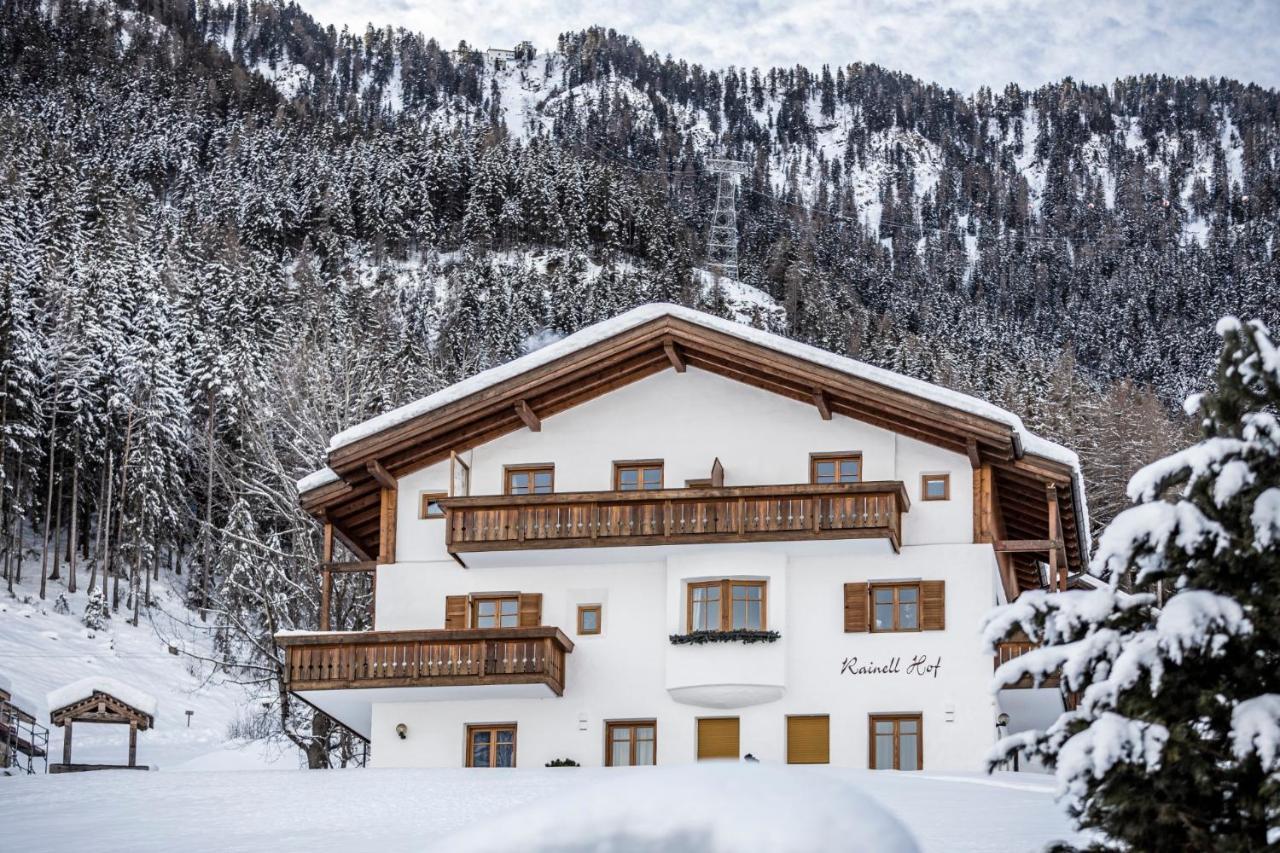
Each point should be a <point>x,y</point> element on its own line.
<point>778,808</point>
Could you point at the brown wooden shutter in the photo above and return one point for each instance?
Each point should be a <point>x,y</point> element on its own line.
<point>718,738</point>
<point>855,608</point>
<point>809,740</point>
<point>933,605</point>
<point>455,612</point>
<point>530,609</point>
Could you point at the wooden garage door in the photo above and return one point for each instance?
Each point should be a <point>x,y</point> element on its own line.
<point>718,738</point>
<point>809,740</point>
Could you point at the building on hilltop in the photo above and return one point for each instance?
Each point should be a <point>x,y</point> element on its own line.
<point>670,537</point>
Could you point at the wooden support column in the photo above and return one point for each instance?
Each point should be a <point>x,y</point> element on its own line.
<point>326,577</point>
<point>133,743</point>
<point>1057,567</point>
<point>66,743</point>
<point>387,527</point>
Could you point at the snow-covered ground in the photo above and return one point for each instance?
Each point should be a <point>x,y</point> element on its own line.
<point>539,809</point>
<point>42,650</point>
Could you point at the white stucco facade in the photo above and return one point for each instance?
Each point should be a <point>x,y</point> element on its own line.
<point>631,670</point>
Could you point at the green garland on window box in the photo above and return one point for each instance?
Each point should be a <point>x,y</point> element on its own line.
<point>738,635</point>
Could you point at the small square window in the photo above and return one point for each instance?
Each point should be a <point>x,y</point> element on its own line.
<point>589,619</point>
<point>935,487</point>
<point>430,505</point>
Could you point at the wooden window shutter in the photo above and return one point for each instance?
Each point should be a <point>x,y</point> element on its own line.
<point>933,605</point>
<point>809,740</point>
<point>455,612</point>
<point>530,609</point>
<point>855,608</point>
<point>718,738</point>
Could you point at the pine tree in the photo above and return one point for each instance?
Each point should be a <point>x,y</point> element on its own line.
<point>1175,742</point>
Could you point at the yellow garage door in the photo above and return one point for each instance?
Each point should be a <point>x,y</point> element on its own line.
<point>718,738</point>
<point>809,740</point>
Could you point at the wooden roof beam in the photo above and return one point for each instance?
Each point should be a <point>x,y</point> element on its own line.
<point>823,402</point>
<point>382,475</point>
<point>674,355</point>
<point>526,413</point>
<point>975,458</point>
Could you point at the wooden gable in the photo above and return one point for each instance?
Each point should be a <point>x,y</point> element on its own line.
<point>1017,481</point>
<point>101,708</point>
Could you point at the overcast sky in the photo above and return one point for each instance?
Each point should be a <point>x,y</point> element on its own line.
<point>959,43</point>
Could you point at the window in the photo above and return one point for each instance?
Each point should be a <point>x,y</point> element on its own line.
<point>895,606</point>
<point>717,738</point>
<point>631,743</point>
<point>642,475</point>
<point>429,505</point>
<point>726,605</point>
<point>530,479</point>
<point>491,746</point>
<point>897,742</point>
<point>495,611</point>
<point>935,487</point>
<point>835,467</point>
<point>809,739</point>
<point>588,618</point>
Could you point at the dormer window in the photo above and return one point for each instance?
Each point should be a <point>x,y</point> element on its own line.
<point>530,479</point>
<point>635,476</point>
<point>835,467</point>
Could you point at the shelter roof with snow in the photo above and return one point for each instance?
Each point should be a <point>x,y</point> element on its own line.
<point>100,699</point>
<point>1028,472</point>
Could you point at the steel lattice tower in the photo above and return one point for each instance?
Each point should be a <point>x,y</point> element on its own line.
<point>722,245</point>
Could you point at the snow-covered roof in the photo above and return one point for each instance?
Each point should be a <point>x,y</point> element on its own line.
<point>316,479</point>
<point>86,687</point>
<point>606,329</point>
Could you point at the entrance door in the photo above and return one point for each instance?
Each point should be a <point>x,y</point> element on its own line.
<point>717,738</point>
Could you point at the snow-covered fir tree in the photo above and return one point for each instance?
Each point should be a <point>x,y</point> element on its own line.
<point>1175,741</point>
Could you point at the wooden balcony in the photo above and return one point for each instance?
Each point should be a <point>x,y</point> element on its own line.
<point>1010,649</point>
<point>676,516</point>
<point>476,657</point>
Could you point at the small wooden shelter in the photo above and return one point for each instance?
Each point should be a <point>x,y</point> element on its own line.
<point>92,701</point>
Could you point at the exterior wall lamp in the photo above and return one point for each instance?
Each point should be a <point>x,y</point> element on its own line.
<point>402,730</point>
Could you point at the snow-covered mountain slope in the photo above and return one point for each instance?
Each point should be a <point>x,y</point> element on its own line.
<point>43,648</point>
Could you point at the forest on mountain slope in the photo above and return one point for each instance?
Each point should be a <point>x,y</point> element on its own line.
<point>228,232</point>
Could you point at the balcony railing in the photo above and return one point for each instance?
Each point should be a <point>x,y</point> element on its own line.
<point>482,656</point>
<point>1007,650</point>
<point>676,516</point>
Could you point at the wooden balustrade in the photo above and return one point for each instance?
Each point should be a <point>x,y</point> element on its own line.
<point>342,660</point>
<point>1010,649</point>
<point>671,516</point>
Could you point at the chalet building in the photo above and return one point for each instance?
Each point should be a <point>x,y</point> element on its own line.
<point>670,537</point>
